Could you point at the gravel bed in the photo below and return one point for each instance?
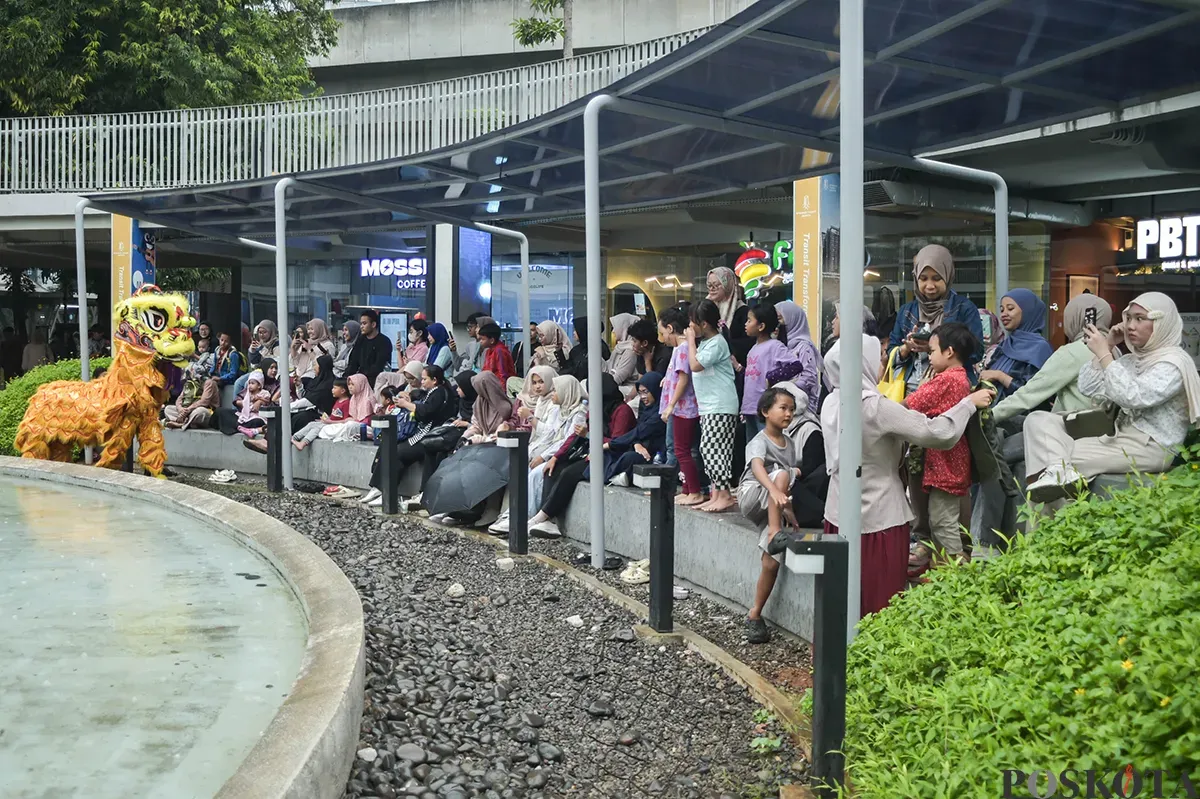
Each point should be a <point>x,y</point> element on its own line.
<point>490,681</point>
<point>785,660</point>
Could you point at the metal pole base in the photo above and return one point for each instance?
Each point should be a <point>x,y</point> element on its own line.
<point>660,480</point>
<point>517,444</point>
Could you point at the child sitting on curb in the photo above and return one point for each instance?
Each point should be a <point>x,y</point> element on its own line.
<point>772,462</point>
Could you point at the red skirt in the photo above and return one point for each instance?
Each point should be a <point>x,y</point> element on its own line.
<point>884,566</point>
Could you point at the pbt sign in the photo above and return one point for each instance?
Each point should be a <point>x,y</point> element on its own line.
<point>1174,237</point>
<point>409,271</point>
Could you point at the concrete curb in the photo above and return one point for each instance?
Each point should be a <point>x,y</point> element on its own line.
<point>309,747</point>
<point>759,687</point>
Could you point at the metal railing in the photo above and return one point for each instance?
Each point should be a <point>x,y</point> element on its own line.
<point>167,149</point>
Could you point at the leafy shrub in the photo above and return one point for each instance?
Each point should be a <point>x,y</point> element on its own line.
<point>15,396</point>
<point>1077,649</point>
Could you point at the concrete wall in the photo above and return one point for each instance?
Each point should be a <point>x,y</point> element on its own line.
<point>717,552</point>
<point>392,44</point>
<point>333,462</point>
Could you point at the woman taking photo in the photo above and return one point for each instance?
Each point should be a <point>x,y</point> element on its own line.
<point>936,302</point>
<point>1155,386</point>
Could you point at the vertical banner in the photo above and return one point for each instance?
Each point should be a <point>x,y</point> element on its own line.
<point>144,268</point>
<point>806,214</point>
<point>122,263</point>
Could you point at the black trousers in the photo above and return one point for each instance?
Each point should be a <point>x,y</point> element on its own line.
<point>560,487</point>
<point>406,455</point>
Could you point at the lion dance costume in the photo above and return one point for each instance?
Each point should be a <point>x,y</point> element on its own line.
<point>152,332</point>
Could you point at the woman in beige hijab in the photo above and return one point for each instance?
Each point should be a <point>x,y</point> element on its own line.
<point>1155,386</point>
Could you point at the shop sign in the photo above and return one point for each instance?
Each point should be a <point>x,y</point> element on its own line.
<point>410,272</point>
<point>759,268</point>
<point>1174,240</point>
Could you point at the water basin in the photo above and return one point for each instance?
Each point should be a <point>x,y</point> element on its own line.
<point>144,651</point>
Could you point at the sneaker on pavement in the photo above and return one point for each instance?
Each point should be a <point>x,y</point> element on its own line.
<point>373,494</point>
<point>757,631</point>
<point>621,481</point>
<point>376,503</point>
<point>501,525</point>
<point>546,529</point>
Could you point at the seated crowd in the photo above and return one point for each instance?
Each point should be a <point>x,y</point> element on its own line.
<point>745,404</point>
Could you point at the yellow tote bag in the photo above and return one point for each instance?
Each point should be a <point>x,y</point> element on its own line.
<point>892,384</point>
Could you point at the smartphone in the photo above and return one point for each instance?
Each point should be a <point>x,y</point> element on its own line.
<point>1090,315</point>
<point>922,335</point>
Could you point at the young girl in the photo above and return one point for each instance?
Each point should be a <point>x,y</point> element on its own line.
<point>360,410</point>
<point>765,493</point>
<point>768,351</point>
<point>338,414</point>
<point>493,409</point>
<point>534,406</point>
<point>253,398</point>
<point>679,408</point>
<point>716,394</point>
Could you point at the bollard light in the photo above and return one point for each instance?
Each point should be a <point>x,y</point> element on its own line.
<point>274,437</point>
<point>517,444</point>
<point>660,482</point>
<point>386,432</point>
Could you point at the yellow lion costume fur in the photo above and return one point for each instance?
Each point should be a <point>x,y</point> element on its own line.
<point>152,332</point>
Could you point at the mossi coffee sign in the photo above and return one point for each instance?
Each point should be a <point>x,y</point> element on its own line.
<point>409,272</point>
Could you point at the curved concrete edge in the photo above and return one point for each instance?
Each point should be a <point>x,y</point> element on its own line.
<point>763,691</point>
<point>308,749</point>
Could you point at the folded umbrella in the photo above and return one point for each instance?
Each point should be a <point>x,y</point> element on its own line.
<point>466,478</point>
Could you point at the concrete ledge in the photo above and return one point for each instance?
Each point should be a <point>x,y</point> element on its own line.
<point>717,552</point>
<point>345,463</point>
<point>309,747</point>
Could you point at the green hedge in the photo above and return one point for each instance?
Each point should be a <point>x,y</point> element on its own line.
<point>15,396</point>
<point>1078,649</point>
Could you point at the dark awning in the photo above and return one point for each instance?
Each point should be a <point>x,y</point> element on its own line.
<point>752,103</point>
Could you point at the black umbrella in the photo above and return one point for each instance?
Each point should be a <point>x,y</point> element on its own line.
<point>466,478</point>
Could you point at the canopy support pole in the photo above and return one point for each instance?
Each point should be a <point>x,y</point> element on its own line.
<point>853,245</point>
<point>1000,187</point>
<point>526,314</point>
<point>281,311</point>
<point>595,331</point>
<point>85,365</point>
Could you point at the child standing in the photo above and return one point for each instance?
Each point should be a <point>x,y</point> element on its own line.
<point>765,355</point>
<point>716,394</point>
<point>947,473</point>
<point>498,360</point>
<point>678,406</point>
<point>765,494</point>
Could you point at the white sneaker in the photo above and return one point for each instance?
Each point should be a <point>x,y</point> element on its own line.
<point>546,529</point>
<point>439,518</point>
<point>1056,482</point>
<point>500,527</point>
<point>370,496</point>
<point>621,481</point>
<point>679,592</point>
<point>376,503</point>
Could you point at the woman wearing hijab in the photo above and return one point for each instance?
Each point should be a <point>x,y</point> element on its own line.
<point>1155,386</point>
<point>440,354</point>
<point>936,302</point>
<point>723,289</point>
<point>318,397</point>
<point>1024,348</point>
<point>804,367</point>
<point>577,358</point>
<point>554,345</point>
<point>644,441</point>
<point>622,365</point>
<point>552,485</point>
<point>305,351</point>
<point>493,411</point>
<point>811,488</point>
<point>350,330</point>
<point>271,382</point>
<point>265,344</point>
<point>534,396</point>
<point>1058,379</point>
<point>886,428</point>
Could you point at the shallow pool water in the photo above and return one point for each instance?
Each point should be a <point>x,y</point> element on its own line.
<point>142,652</point>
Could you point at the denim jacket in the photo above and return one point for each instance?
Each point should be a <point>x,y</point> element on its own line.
<point>957,309</point>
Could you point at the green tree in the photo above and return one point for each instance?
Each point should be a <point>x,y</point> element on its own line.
<point>104,56</point>
<point>535,30</point>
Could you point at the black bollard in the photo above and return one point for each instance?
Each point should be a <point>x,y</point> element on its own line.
<point>660,480</point>
<point>275,453</point>
<point>386,433</point>
<point>517,444</point>
<point>826,557</point>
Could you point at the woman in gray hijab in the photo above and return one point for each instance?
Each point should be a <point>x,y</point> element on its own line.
<point>350,330</point>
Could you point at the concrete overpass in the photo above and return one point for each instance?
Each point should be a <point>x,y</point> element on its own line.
<point>398,43</point>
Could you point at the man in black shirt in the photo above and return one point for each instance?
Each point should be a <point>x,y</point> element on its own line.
<point>372,352</point>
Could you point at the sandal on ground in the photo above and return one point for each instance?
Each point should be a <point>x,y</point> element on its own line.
<point>637,572</point>
<point>223,476</point>
<point>342,492</point>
